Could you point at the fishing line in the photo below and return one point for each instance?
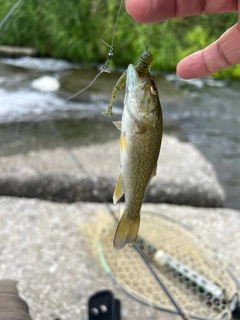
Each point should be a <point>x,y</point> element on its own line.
<point>149,25</point>
<point>79,165</point>
<point>100,196</point>
<point>110,56</point>
<point>115,27</point>
<point>17,4</point>
<point>91,83</point>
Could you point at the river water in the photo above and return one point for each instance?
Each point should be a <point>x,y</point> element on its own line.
<point>205,112</point>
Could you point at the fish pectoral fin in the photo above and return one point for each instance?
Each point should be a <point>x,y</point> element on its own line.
<point>127,230</point>
<point>119,190</point>
<point>141,129</point>
<point>118,124</point>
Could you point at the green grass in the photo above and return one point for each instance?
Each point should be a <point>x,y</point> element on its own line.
<point>72,30</point>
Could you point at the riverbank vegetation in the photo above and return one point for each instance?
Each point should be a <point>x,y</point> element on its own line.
<point>72,30</point>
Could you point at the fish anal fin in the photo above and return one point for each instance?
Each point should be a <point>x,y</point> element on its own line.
<point>127,231</point>
<point>119,190</point>
<point>118,124</point>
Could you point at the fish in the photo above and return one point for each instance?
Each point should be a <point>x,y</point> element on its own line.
<point>140,142</point>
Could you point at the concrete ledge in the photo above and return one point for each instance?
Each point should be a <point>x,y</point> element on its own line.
<point>183,177</point>
<point>42,248</point>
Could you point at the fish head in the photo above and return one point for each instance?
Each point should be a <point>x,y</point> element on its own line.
<point>141,97</point>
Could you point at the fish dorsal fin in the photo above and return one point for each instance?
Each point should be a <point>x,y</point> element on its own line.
<point>119,190</point>
<point>118,124</point>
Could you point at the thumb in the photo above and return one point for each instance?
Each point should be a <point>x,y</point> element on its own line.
<point>221,54</point>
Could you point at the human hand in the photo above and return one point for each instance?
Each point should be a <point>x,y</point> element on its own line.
<point>221,54</point>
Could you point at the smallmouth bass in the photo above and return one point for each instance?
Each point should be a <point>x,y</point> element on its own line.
<point>140,142</point>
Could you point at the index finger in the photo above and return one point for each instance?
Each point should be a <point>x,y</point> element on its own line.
<point>146,11</point>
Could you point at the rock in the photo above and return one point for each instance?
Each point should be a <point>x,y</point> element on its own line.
<point>15,52</point>
<point>42,249</point>
<point>183,177</point>
<point>46,84</point>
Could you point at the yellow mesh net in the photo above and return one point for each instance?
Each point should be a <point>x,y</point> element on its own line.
<point>183,247</point>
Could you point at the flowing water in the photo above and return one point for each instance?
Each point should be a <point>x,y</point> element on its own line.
<point>205,112</point>
<point>212,123</point>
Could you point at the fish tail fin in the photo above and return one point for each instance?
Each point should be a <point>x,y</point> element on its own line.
<point>127,230</point>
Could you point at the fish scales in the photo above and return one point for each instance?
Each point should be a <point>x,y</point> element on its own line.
<point>140,142</point>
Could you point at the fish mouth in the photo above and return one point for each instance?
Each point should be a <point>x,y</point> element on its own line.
<point>133,79</point>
